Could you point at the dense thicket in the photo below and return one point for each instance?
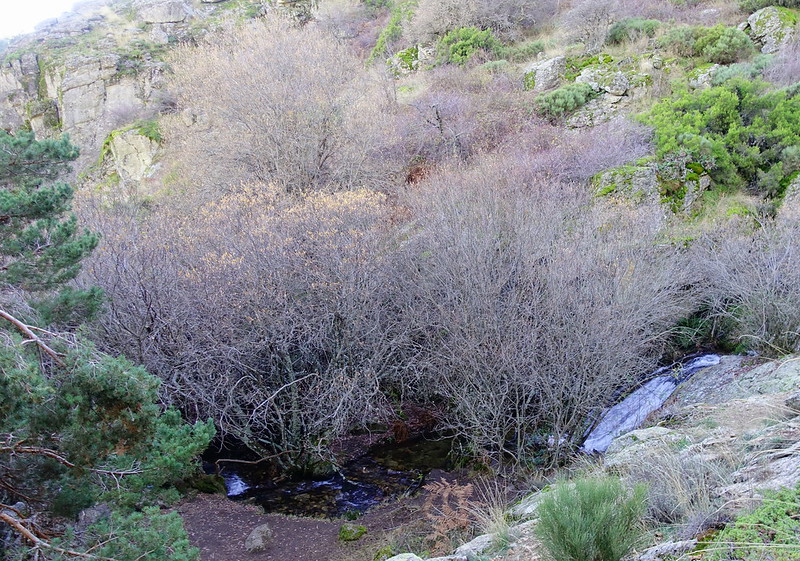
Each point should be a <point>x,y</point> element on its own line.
<point>298,289</point>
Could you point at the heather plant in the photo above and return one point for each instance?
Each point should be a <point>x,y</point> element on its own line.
<point>630,29</point>
<point>459,45</point>
<point>754,5</point>
<point>559,103</point>
<point>718,44</point>
<point>590,519</point>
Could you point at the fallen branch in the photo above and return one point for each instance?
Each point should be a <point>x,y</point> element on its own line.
<point>37,450</point>
<point>20,528</point>
<point>26,330</point>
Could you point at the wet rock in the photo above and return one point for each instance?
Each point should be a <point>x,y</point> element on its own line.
<point>473,550</point>
<point>259,539</point>
<point>667,551</point>
<point>772,27</point>
<point>545,75</point>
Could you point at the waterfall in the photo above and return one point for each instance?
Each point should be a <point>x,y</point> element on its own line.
<point>628,414</point>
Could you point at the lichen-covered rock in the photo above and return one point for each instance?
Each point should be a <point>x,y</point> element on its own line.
<point>701,78</point>
<point>133,154</point>
<point>793,401</point>
<point>599,110</point>
<point>773,27</point>
<point>605,79</point>
<point>259,539</point>
<point>635,182</point>
<point>545,75</point>
<point>475,548</point>
<point>351,532</point>
<point>631,445</point>
<point>669,550</point>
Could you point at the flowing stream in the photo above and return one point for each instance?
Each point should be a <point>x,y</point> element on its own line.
<point>628,414</point>
<point>384,473</point>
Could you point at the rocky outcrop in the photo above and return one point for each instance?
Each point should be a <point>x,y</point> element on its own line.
<point>545,75</point>
<point>133,154</point>
<point>772,27</point>
<point>633,182</point>
<point>702,77</point>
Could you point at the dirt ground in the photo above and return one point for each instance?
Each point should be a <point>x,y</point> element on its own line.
<point>219,527</point>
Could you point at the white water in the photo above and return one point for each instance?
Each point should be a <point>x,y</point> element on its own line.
<point>632,411</point>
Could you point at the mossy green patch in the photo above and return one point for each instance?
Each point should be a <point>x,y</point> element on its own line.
<point>351,532</point>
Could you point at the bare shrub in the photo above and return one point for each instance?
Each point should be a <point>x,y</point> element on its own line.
<point>532,307</point>
<point>753,280</point>
<point>576,156</point>
<point>460,114</point>
<point>508,18</point>
<point>785,67</point>
<point>266,313</point>
<point>588,21</point>
<point>280,105</point>
<point>433,18</point>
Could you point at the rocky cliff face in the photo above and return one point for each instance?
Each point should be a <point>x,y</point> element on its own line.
<point>101,68</point>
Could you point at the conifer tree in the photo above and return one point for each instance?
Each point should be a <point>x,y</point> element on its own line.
<point>77,427</point>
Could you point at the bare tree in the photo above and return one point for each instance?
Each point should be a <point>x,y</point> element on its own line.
<point>278,104</point>
<point>534,307</point>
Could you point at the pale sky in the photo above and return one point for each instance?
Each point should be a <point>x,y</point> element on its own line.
<point>19,16</point>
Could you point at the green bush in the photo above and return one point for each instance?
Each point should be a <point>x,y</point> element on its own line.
<point>400,13</point>
<point>559,103</point>
<point>772,531</point>
<point>738,132</point>
<point>754,5</point>
<point>521,53</point>
<point>747,70</point>
<point>723,45</point>
<point>718,44</point>
<point>590,520</point>
<point>459,45</point>
<point>631,28</point>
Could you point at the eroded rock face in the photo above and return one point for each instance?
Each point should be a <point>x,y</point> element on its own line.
<point>133,154</point>
<point>772,27</point>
